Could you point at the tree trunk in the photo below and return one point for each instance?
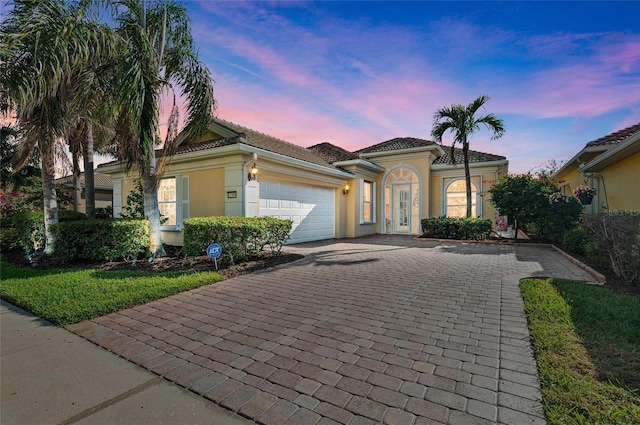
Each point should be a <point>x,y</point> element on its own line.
<point>467,176</point>
<point>151,210</point>
<point>77,189</point>
<point>49,194</point>
<point>89,178</point>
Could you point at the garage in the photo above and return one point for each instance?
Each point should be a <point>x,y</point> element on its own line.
<point>311,208</point>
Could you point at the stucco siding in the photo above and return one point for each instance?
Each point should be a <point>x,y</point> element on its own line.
<point>620,181</point>
<point>206,192</point>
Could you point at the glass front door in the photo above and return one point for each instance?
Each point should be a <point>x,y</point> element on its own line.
<point>401,208</point>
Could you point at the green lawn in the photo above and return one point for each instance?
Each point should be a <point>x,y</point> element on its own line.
<point>586,341</point>
<point>69,296</point>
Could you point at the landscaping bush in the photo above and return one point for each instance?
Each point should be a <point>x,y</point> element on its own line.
<point>239,237</point>
<point>456,228</point>
<point>277,233</point>
<point>617,239</point>
<point>105,212</point>
<point>100,240</point>
<point>578,240</point>
<point>8,239</point>
<point>30,227</point>
<point>536,204</point>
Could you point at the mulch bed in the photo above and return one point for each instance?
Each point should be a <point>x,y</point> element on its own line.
<point>175,261</point>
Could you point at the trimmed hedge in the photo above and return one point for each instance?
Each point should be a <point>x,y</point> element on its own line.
<point>29,227</point>
<point>8,239</point>
<point>456,228</point>
<point>100,239</point>
<point>239,237</point>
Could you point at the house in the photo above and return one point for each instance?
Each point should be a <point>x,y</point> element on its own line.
<point>103,189</point>
<point>327,191</point>
<point>611,165</point>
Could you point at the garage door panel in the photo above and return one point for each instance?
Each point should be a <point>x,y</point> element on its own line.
<point>311,208</point>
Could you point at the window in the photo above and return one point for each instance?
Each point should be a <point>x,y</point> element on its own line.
<point>368,214</point>
<point>173,201</point>
<point>167,201</point>
<point>456,199</point>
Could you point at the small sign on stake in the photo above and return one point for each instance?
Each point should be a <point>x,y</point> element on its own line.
<point>214,251</point>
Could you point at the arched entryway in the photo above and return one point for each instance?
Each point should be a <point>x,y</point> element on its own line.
<point>402,201</point>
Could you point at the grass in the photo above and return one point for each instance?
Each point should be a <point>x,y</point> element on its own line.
<point>586,341</point>
<point>70,296</point>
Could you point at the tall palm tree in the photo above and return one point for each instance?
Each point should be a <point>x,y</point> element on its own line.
<point>42,44</point>
<point>462,122</point>
<point>9,176</point>
<point>159,57</point>
<point>93,123</point>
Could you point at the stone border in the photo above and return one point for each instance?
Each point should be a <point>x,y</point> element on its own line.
<point>599,277</point>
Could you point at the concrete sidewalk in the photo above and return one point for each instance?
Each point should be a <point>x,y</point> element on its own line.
<point>50,376</point>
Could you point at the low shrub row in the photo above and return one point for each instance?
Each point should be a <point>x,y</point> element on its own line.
<point>29,227</point>
<point>100,240</point>
<point>239,237</point>
<point>456,228</point>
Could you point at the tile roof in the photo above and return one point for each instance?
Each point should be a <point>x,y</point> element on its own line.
<point>258,140</point>
<point>396,144</point>
<point>324,154</point>
<point>617,137</point>
<point>99,180</point>
<point>474,156</point>
<point>332,153</point>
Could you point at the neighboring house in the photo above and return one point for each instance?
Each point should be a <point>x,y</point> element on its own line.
<point>327,191</point>
<point>611,165</point>
<point>103,189</point>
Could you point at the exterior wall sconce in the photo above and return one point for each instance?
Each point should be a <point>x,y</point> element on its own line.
<point>253,172</point>
<point>346,189</point>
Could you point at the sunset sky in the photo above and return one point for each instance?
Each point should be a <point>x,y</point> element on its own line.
<point>358,73</point>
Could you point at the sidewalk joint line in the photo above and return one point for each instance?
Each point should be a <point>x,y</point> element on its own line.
<point>99,407</point>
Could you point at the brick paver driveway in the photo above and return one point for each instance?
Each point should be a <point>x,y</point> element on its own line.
<point>373,330</point>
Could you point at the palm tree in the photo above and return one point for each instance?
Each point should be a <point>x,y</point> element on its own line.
<point>462,122</point>
<point>42,44</point>
<point>160,55</point>
<point>9,176</point>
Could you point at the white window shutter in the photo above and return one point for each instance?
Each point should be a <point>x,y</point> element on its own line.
<point>117,198</point>
<point>361,192</point>
<point>184,199</point>
<point>373,203</point>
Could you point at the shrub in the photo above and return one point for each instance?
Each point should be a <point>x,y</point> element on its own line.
<point>562,215</point>
<point>8,239</point>
<point>456,228</point>
<point>277,233</point>
<point>100,240</point>
<point>105,212</point>
<point>239,237</point>
<point>30,227</point>
<point>536,203</point>
<point>617,239</point>
<point>578,240</point>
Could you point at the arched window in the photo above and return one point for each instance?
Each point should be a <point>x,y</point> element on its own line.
<point>456,199</point>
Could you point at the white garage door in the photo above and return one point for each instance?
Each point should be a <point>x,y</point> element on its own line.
<point>311,208</point>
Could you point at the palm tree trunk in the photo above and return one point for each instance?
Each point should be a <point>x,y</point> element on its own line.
<point>49,194</point>
<point>77,189</point>
<point>151,210</point>
<point>89,177</point>
<point>467,176</point>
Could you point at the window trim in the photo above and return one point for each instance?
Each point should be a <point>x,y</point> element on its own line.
<point>181,202</point>
<point>372,201</point>
<point>477,198</point>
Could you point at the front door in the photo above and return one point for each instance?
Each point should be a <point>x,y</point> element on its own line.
<point>401,208</point>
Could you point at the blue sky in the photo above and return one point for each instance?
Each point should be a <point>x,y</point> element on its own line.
<point>358,73</point>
